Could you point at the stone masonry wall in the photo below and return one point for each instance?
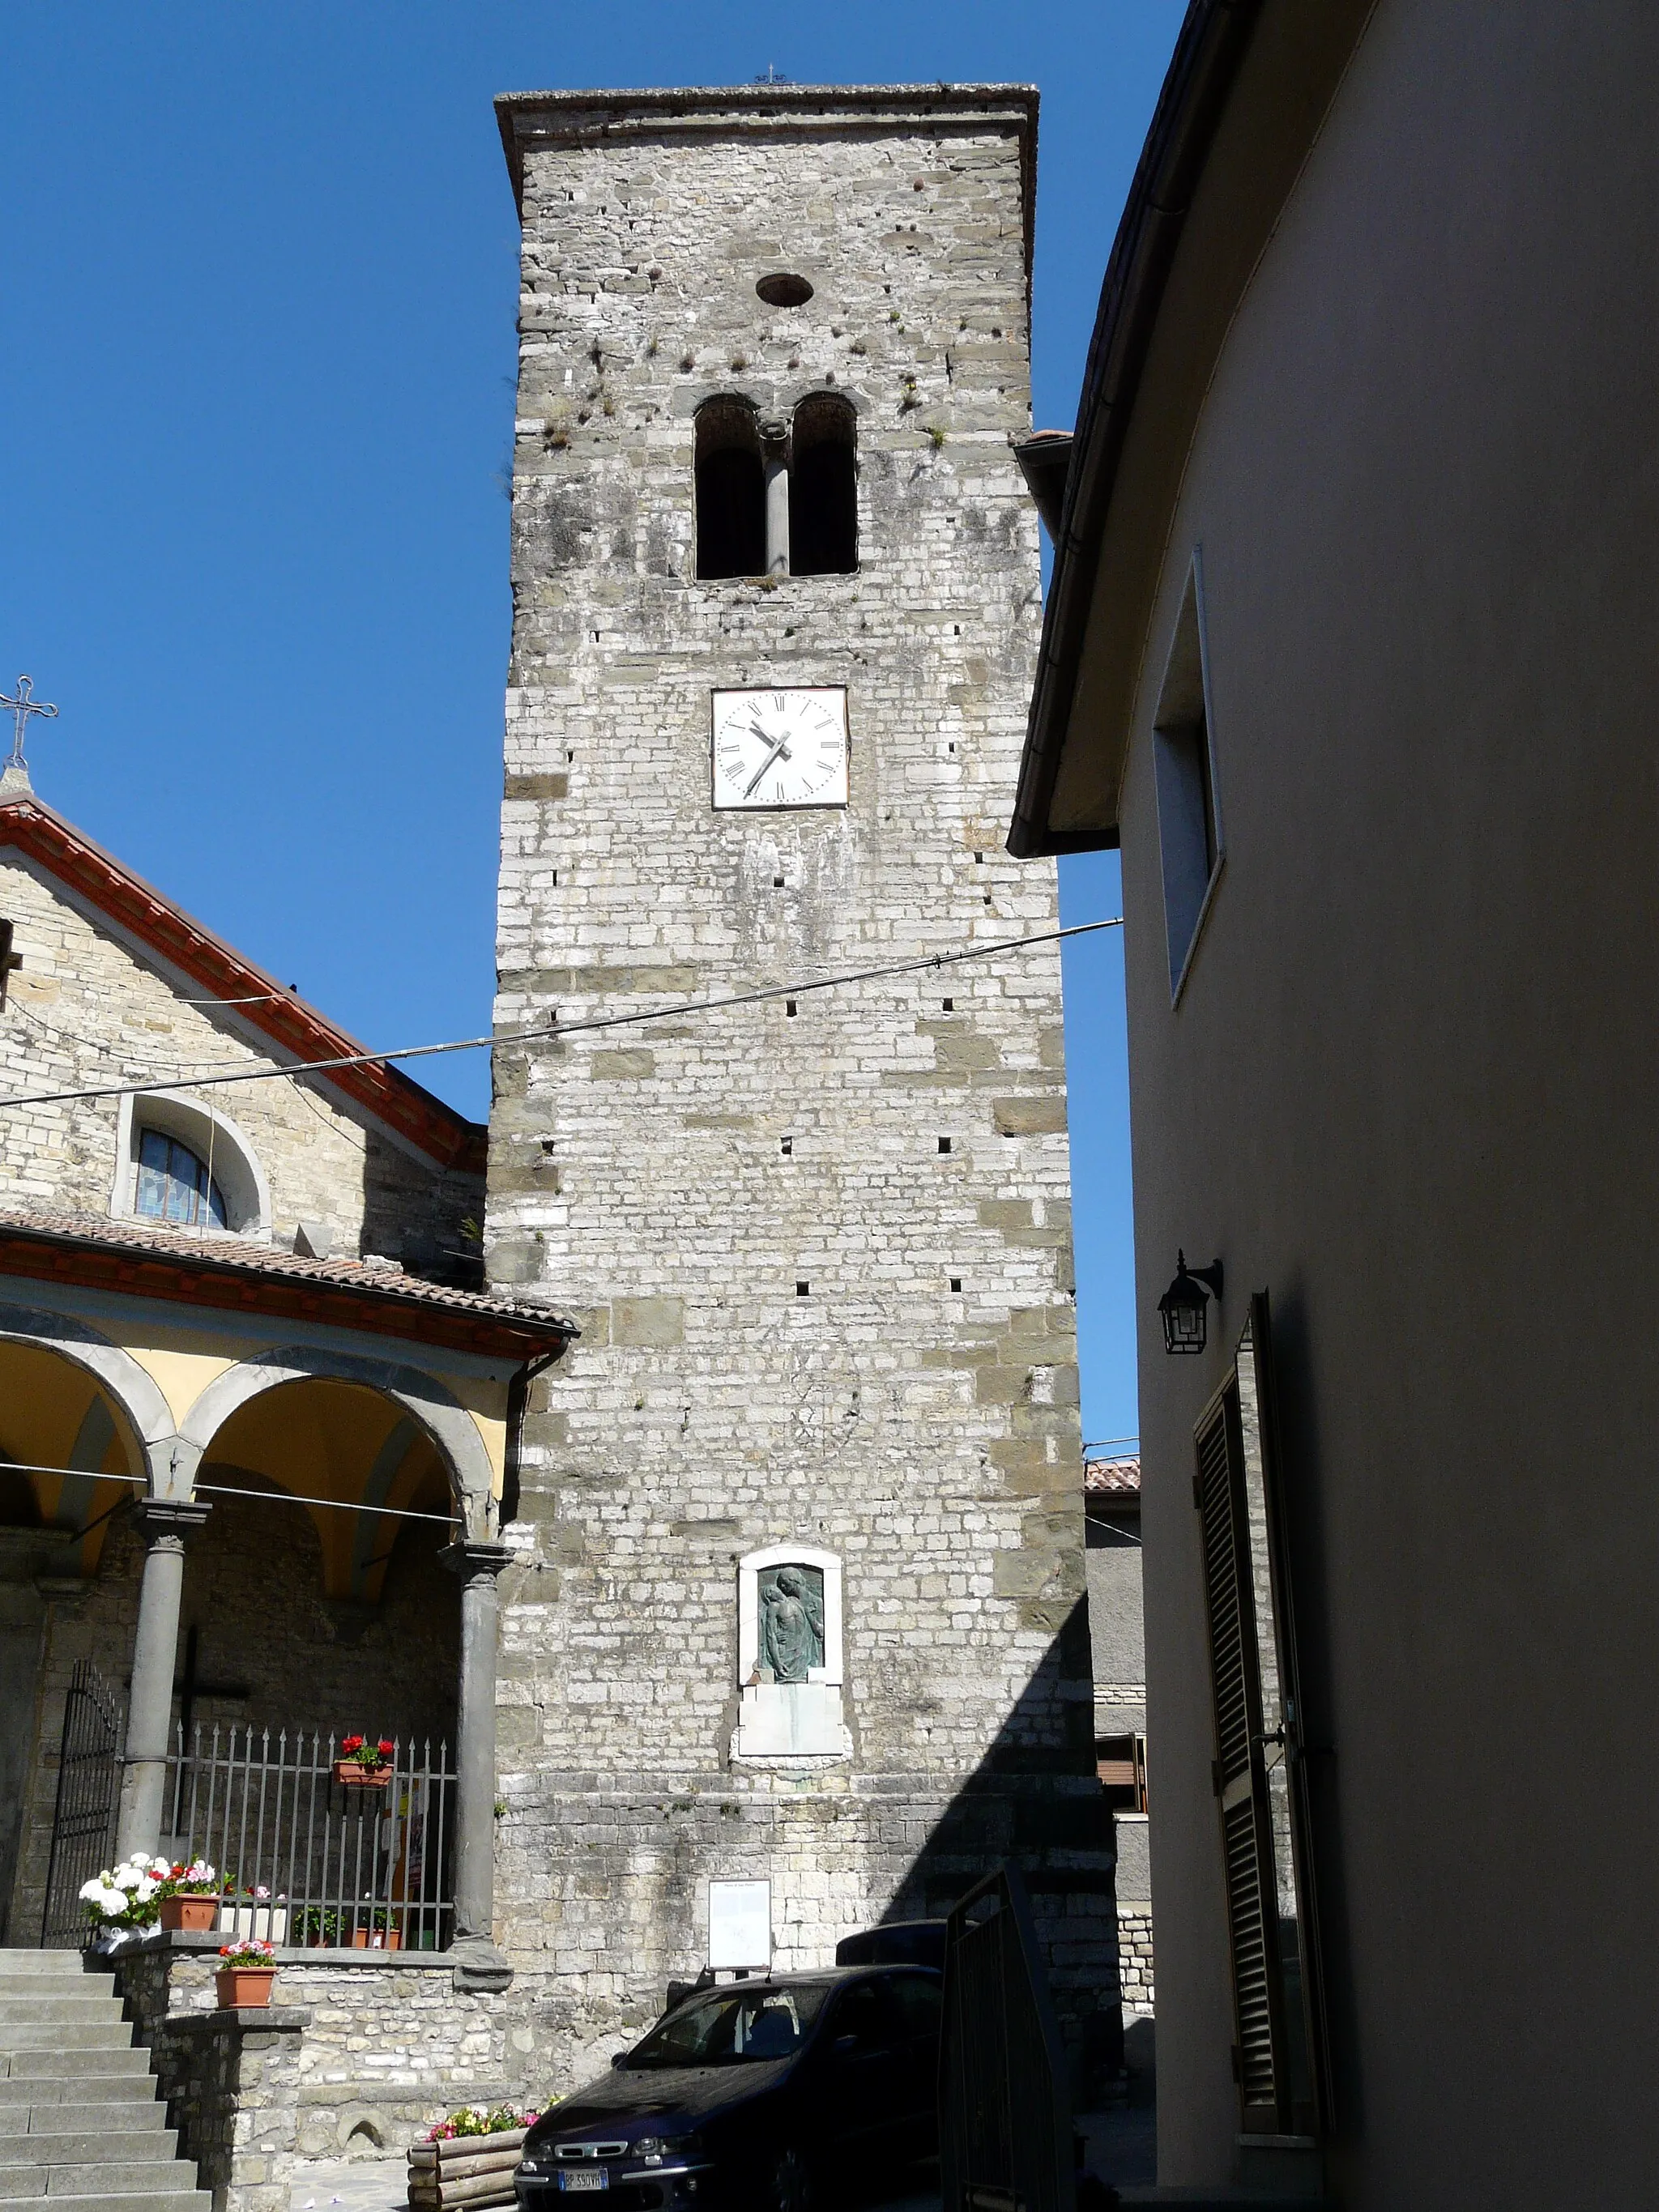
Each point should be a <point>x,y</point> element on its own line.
<point>84,1009</point>
<point>389,2046</point>
<point>914,1410</point>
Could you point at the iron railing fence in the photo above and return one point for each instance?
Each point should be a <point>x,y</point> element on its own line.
<point>88,1798</point>
<point>1005,2141</point>
<point>307,1858</point>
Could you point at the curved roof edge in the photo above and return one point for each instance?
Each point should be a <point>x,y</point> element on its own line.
<point>1201,74</point>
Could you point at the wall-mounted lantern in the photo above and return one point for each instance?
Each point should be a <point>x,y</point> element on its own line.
<point>1186,1302</point>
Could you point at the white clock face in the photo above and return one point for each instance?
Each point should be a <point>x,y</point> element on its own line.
<point>780,748</point>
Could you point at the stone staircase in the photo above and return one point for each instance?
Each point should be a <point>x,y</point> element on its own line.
<point>82,2125</point>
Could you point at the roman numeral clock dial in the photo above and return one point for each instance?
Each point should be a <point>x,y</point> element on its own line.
<point>786,748</point>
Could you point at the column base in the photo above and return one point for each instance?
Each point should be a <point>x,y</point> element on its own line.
<point>479,1965</point>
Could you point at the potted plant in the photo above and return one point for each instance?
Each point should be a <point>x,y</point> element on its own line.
<point>363,1765</point>
<point>376,1929</point>
<point>318,1927</point>
<point>470,2159</point>
<point>124,1900</point>
<point>190,1896</point>
<point>254,1913</point>
<point>247,1971</point>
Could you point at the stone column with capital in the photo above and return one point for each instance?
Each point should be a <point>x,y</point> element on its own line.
<point>167,1524</point>
<point>478,1963</point>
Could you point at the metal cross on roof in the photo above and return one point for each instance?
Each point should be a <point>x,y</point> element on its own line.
<point>20,709</point>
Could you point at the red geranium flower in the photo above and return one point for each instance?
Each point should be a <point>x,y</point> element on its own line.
<point>350,1743</point>
<point>385,1748</point>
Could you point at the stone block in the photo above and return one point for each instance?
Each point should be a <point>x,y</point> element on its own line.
<point>1029,1117</point>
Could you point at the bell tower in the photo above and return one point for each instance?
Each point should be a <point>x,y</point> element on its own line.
<point>798,1585</point>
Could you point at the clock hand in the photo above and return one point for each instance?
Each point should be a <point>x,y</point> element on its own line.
<point>780,751</point>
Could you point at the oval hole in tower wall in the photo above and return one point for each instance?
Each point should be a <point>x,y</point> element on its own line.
<point>784,290</point>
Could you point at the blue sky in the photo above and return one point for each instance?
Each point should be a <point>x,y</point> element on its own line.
<point>255,395</point>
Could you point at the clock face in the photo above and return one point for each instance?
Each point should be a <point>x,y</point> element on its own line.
<point>780,748</point>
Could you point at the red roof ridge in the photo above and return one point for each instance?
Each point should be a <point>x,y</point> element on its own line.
<point>293,1027</point>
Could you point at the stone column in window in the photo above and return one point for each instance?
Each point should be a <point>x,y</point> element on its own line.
<point>478,1963</point>
<point>775,462</point>
<point>166,1523</point>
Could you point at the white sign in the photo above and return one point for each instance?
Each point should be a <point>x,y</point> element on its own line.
<point>739,1924</point>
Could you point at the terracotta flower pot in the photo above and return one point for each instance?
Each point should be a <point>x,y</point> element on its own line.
<point>197,1912</point>
<point>244,1985</point>
<point>377,1939</point>
<point>361,1777</point>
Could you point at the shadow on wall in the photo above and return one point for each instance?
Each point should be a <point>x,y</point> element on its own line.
<point>428,1218</point>
<point>1033,1799</point>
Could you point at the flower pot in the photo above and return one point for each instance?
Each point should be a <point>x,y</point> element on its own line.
<point>244,1985</point>
<point>361,1777</point>
<point>377,1939</point>
<point>196,1912</point>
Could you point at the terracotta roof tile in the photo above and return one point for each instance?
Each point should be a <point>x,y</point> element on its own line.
<point>1112,1478</point>
<point>238,1257</point>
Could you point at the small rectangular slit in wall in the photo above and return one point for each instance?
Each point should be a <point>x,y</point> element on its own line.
<point>956,1282</point>
<point>777,883</point>
<point>949,1004</point>
<point>556,875</point>
<point>945,1143</point>
<point>802,1289</point>
<point>570,755</point>
<point>788,1147</point>
<point>789,1008</point>
<point>979,860</point>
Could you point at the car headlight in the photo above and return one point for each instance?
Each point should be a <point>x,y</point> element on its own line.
<point>528,2166</point>
<point>655,2149</point>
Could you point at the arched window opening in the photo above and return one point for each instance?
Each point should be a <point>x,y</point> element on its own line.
<point>174,1185</point>
<point>824,513</point>
<point>730,489</point>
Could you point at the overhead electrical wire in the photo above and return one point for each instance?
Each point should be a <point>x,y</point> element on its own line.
<point>219,1072</point>
<point>227,1490</point>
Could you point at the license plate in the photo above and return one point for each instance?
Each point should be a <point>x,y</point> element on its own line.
<point>584,2177</point>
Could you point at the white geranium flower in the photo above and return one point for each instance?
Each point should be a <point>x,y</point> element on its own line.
<point>145,1888</point>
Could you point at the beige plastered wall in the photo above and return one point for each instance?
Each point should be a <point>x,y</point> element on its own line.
<point>1408,1089</point>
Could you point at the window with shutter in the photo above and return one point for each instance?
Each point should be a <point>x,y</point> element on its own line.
<point>1260,1774</point>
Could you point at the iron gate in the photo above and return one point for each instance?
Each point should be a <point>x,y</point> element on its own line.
<point>88,1799</point>
<point>1005,2114</point>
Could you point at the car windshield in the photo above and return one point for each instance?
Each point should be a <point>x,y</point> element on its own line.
<point>733,2027</point>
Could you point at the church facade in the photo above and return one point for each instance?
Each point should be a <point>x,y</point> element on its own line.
<point>797,1590</point>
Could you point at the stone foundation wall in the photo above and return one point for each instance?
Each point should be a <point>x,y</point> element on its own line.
<point>389,2046</point>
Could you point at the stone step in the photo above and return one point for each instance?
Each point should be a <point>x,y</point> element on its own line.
<point>35,1963</point>
<point>108,2033</point>
<point>35,2064</point>
<point>146,2116</point>
<point>68,2005</point>
<point>95,2176</point>
<point>120,2080</point>
<point>124,2200</point>
<point>110,2146</point>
